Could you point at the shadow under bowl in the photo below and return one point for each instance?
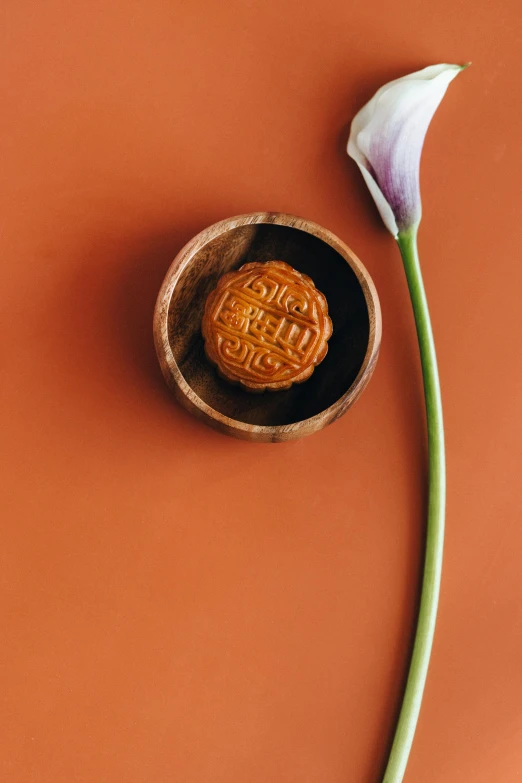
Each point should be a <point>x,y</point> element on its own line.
<point>353,306</point>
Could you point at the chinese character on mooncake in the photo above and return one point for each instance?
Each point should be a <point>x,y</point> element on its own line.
<point>266,326</point>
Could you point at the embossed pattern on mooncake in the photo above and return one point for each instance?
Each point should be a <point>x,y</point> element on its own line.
<point>266,326</point>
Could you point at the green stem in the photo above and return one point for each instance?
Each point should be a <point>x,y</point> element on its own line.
<point>420,659</point>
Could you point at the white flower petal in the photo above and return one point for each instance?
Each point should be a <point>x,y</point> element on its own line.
<point>386,140</point>
<point>384,208</point>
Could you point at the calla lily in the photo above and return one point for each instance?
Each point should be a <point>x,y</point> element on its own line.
<point>386,142</point>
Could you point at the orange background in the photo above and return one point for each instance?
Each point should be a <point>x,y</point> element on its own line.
<point>182,607</point>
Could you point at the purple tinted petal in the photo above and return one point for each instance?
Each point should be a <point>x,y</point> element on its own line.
<point>387,137</point>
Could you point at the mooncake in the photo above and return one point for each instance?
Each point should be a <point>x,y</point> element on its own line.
<point>266,326</point>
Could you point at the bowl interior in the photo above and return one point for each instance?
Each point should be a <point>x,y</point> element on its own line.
<point>331,274</point>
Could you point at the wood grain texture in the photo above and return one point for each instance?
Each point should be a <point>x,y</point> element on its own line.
<point>353,348</point>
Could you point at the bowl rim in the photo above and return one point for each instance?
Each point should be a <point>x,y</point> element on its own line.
<point>175,378</point>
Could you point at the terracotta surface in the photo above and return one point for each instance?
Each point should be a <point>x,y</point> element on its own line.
<point>173,611</point>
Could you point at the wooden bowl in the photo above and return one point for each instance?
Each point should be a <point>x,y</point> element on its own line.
<point>353,306</point>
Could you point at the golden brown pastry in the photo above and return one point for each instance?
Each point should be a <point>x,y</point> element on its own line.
<point>266,326</point>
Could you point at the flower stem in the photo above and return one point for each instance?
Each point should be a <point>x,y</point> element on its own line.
<point>420,659</point>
